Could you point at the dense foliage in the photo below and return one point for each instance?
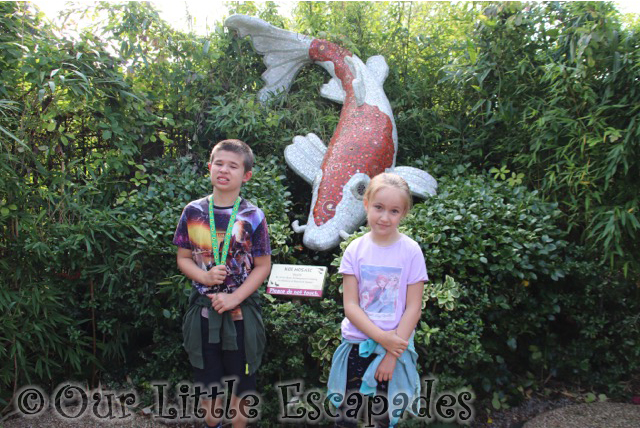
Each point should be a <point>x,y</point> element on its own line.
<point>527,115</point>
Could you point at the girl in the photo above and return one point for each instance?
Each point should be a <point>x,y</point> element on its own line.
<point>377,354</point>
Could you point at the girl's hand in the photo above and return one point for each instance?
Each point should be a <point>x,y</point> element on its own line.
<point>386,368</point>
<point>394,344</point>
<point>214,276</point>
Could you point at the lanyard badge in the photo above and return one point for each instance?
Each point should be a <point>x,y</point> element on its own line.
<point>221,258</point>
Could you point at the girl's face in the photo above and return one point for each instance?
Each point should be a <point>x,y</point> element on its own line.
<point>385,210</point>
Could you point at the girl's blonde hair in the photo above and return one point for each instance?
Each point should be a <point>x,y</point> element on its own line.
<point>388,179</point>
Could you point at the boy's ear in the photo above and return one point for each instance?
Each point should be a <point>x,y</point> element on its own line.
<point>366,204</point>
<point>247,176</point>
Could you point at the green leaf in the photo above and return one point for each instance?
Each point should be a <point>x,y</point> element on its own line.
<point>471,50</point>
<point>495,401</point>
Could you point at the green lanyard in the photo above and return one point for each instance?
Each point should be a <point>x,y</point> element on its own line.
<point>221,259</point>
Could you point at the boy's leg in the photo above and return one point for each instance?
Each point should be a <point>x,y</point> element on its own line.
<point>210,376</point>
<point>235,364</point>
<point>356,367</point>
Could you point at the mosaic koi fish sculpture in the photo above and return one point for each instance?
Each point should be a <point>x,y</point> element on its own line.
<point>365,142</point>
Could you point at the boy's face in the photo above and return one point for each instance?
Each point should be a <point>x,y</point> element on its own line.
<point>227,171</point>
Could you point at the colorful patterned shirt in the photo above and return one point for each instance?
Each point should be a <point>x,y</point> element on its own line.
<point>250,239</point>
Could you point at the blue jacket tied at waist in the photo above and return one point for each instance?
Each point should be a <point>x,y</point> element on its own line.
<point>405,379</point>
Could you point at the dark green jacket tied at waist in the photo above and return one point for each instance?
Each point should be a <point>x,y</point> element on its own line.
<point>254,335</point>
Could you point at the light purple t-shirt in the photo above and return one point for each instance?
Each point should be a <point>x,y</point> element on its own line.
<point>383,274</point>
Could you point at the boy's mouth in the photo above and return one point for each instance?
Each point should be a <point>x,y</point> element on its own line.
<point>223,180</point>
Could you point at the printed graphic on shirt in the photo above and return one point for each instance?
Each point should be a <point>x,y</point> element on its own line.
<point>249,239</point>
<point>379,289</point>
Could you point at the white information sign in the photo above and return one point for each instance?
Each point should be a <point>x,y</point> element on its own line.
<point>296,280</point>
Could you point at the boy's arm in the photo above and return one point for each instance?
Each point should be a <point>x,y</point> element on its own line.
<point>188,267</point>
<point>408,323</point>
<point>393,343</point>
<point>223,302</point>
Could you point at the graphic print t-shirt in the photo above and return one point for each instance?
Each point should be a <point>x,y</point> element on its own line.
<point>249,239</point>
<point>383,274</point>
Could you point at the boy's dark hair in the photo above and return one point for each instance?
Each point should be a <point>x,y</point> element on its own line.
<point>235,146</point>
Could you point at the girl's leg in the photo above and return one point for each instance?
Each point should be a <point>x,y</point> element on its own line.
<point>356,367</point>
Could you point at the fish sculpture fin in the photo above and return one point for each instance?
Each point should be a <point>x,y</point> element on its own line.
<point>305,156</point>
<point>297,228</point>
<point>378,68</point>
<point>333,91</point>
<point>358,83</point>
<point>285,53</point>
<point>420,183</point>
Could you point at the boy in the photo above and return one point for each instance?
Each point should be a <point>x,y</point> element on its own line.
<point>222,329</point>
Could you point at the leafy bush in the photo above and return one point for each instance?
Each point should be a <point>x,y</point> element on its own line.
<point>499,242</point>
<point>551,93</point>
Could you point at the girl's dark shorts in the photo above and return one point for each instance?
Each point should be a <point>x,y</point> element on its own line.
<point>219,364</point>
<point>356,368</point>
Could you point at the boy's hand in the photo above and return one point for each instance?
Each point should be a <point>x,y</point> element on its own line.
<point>394,344</point>
<point>223,302</point>
<point>214,276</point>
<point>386,368</point>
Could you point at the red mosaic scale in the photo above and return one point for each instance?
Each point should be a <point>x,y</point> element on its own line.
<point>363,134</point>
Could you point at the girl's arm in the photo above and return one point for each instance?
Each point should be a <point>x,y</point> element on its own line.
<point>412,311</point>
<point>393,343</point>
<point>408,323</point>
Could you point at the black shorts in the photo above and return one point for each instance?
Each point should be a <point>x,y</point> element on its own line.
<point>356,367</point>
<point>219,364</point>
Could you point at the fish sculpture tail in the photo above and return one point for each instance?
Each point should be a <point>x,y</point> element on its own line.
<point>285,53</point>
